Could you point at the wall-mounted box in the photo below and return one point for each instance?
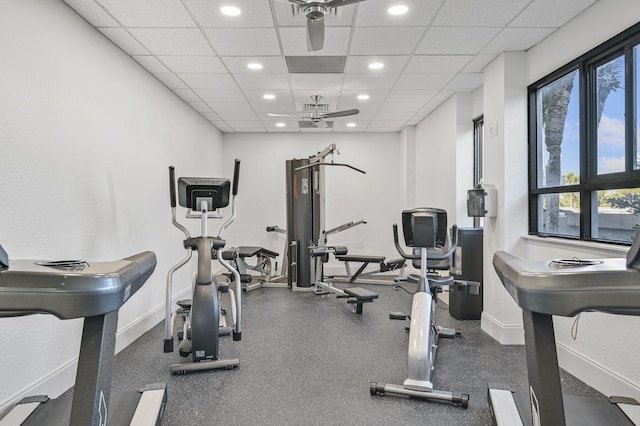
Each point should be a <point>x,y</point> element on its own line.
<point>482,201</point>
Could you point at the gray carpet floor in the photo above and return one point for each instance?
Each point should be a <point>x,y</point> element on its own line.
<point>308,360</point>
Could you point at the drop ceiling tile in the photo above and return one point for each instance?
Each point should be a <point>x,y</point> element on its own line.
<point>428,64</point>
<point>369,108</point>
<point>262,81</point>
<point>369,81</point>
<point>342,126</point>
<point>273,105</point>
<point>516,39</point>
<point>312,81</point>
<point>437,100</point>
<point>398,95</point>
<point>423,81</point>
<point>384,129</point>
<point>211,116</point>
<point>393,116</point>
<point>451,40</point>
<point>245,124</point>
<point>208,81</point>
<point>92,13</point>
<point>550,13</point>
<point>222,126</point>
<point>485,13</point>
<point>294,41</point>
<point>385,40</point>
<point>149,13</point>
<point>221,108</point>
<point>360,64</point>
<point>375,96</point>
<point>257,95</point>
<point>193,64</point>
<point>401,107</point>
<point>220,95</point>
<point>466,81</point>
<point>151,64</point>
<point>207,13</point>
<point>244,41</point>
<point>187,95</point>
<point>270,64</point>
<point>478,63</point>
<point>121,38</point>
<point>286,17</point>
<point>171,81</point>
<point>374,13</point>
<point>200,106</point>
<point>173,41</point>
<point>385,124</point>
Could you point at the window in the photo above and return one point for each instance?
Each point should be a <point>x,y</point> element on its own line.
<point>478,157</point>
<point>584,168</point>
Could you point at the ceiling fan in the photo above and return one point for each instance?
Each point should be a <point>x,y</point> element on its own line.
<point>315,11</point>
<point>317,117</point>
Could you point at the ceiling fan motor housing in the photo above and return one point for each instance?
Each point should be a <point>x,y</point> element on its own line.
<point>315,12</point>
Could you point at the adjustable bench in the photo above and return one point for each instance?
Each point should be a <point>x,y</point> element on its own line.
<point>367,277</point>
<point>358,296</point>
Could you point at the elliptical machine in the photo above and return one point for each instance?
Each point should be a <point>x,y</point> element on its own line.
<point>202,313</point>
<point>425,229</point>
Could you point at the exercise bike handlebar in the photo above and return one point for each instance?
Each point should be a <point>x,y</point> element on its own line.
<point>432,256</point>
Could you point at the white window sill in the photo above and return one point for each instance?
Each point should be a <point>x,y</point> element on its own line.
<point>614,248</point>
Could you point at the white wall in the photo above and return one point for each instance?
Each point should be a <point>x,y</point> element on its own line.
<point>86,138</point>
<point>375,197</point>
<point>444,158</point>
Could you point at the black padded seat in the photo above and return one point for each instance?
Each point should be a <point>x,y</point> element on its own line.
<point>250,251</point>
<point>360,258</point>
<point>359,296</point>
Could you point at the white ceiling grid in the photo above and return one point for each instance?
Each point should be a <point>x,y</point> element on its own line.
<point>436,49</point>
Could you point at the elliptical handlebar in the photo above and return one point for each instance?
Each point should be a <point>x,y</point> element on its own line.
<point>172,185</point>
<point>432,256</point>
<point>236,177</point>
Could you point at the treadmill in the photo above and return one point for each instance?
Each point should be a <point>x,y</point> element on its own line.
<point>94,291</point>
<point>563,287</point>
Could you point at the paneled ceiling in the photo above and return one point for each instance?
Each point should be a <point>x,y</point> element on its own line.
<point>437,48</point>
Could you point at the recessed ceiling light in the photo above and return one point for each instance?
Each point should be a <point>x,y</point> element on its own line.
<point>363,97</point>
<point>268,96</point>
<point>254,66</point>
<point>398,9</point>
<point>230,10</point>
<point>280,124</point>
<point>351,124</point>
<point>376,65</point>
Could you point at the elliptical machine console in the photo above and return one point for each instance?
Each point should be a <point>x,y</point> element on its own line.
<point>203,317</point>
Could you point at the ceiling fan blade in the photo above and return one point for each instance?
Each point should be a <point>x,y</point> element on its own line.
<point>315,34</point>
<point>320,124</point>
<point>338,3</point>
<point>299,2</point>
<point>281,115</point>
<point>341,113</point>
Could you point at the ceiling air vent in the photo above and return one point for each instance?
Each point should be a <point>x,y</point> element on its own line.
<point>313,107</point>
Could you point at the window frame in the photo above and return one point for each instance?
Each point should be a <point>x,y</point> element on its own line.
<point>590,181</point>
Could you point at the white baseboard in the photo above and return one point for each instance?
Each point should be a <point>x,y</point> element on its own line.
<point>595,375</point>
<point>61,379</point>
<point>504,334</point>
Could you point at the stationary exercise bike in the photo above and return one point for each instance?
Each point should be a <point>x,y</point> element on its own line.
<point>203,317</point>
<point>425,229</point>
